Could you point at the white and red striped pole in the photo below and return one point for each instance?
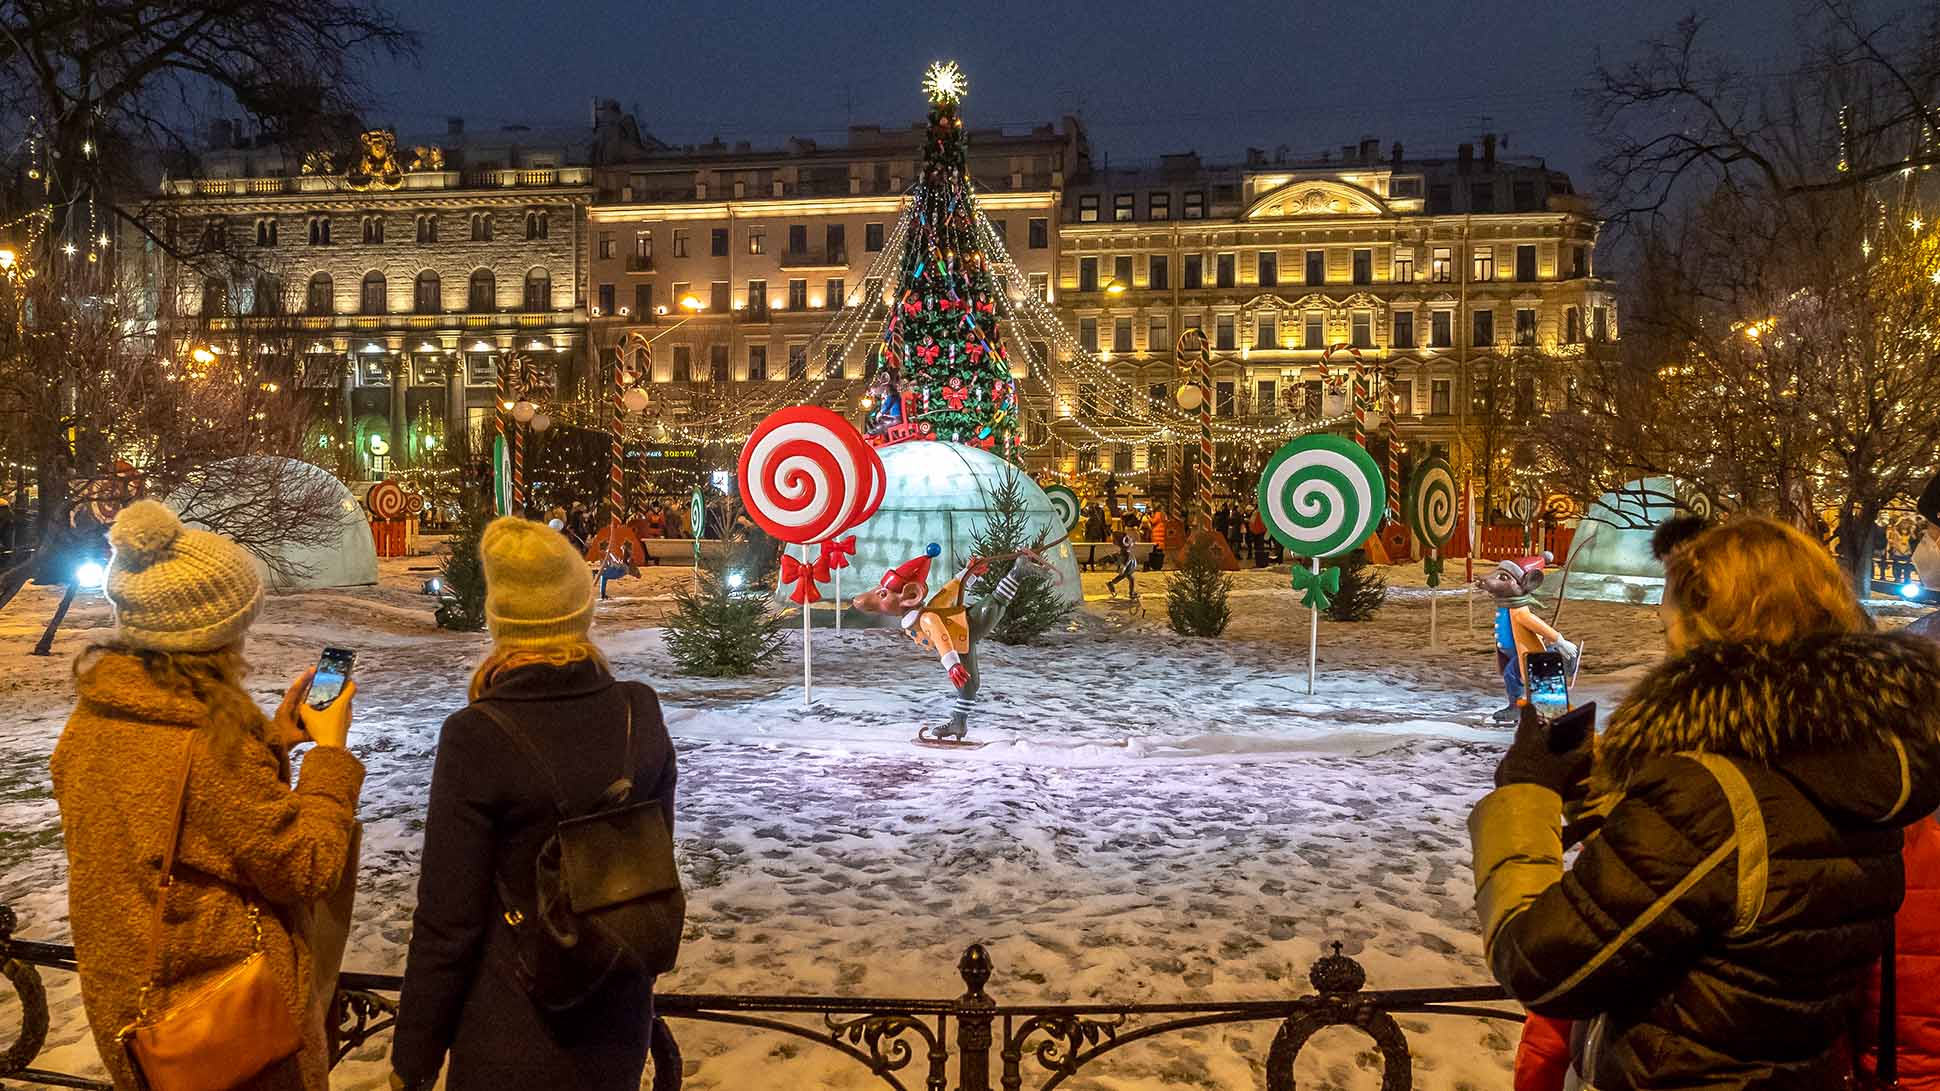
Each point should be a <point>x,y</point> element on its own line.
<point>616,466</point>
<point>1205,434</point>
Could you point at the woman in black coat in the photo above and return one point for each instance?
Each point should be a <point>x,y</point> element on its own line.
<point>1739,874</point>
<point>493,805</point>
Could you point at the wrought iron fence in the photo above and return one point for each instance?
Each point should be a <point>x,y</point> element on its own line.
<point>906,1043</point>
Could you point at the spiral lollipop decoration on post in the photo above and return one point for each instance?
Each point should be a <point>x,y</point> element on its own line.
<point>1319,496</point>
<point>1065,503</point>
<point>386,500</point>
<point>1430,505</point>
<point>806,476</point>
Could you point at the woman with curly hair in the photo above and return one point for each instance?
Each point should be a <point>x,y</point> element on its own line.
<point>163,716</point>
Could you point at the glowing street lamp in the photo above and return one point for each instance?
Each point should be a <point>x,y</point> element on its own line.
<point>1115,287</point>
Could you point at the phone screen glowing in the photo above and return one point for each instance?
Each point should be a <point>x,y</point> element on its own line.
<point>333,670</point>
<point>1548,683</point>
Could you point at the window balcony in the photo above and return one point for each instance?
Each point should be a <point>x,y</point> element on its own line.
<point>815,259</point>
<point>639,263</point>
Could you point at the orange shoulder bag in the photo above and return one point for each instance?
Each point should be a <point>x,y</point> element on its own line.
<point>223,1034</point>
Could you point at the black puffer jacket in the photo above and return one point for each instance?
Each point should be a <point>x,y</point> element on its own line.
<point>1715,932</point>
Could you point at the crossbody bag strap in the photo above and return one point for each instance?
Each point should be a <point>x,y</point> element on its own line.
<point>626,768</point>
<point>177,816</point>
<point>510,727</point>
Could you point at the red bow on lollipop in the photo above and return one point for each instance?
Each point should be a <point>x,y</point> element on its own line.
<point>804,577</point>
<point>836,552</point>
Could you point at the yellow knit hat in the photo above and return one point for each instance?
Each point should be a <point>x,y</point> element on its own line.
<point>538,591</point>
<point>176,589</point>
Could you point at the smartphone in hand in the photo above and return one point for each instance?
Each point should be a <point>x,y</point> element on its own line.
<point>1548,674</point>
<point>333,671</point>
<point>1568,731</point>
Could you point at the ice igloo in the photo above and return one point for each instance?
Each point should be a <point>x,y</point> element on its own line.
<point>341,556</point>
<point>1610,558</point>
<point>940,492</point>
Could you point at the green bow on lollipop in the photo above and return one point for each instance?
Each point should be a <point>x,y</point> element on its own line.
<point>1320,587</point>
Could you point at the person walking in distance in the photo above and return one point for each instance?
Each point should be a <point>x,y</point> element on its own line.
<point>1127,566</point>
<point>165,747</point>
<point>1740,823</point>
<point>546,732</point>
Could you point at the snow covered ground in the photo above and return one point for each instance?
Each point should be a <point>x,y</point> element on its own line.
<point>1157,818</point>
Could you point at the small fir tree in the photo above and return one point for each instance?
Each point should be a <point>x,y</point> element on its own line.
<point>461,593</point>
<point>1195,596</point>
<point>1037,607</point>
<point>1362,589</point>
<point>719,631</point>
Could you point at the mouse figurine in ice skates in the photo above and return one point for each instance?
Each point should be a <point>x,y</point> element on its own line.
<point>942,623</point>
<point>1518,631</point>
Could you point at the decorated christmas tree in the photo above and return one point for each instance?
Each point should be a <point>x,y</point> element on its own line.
<point>941,362</point>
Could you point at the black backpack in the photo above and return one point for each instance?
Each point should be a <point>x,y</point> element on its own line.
<point>608,895</point>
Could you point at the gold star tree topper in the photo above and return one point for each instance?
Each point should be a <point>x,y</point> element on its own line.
<point>943,81</point>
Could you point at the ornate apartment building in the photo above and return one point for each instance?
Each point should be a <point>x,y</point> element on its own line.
<point>770,246</point>
<point>410,274</point>
<point>404,274</point>
<point>1458,282</point>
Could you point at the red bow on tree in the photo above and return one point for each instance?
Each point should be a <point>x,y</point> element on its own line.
<point>929,353</point>
<point>947,304</point>
<point>836,553</point>
<point>911,307</point>
<point>804,577</point>
<point>986,306</point>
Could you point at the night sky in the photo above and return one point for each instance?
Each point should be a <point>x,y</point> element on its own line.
<point>1146,76</point>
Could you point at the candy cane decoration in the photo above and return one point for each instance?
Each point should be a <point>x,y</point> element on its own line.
<point>498,430</point>
<point>518,445</point>
<point>1393,512</point>
<point>1202,377</point>
<point>1359,392</point>
<point>624,377</point>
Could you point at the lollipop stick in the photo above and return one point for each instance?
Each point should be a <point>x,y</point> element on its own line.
<point>1313,638</point>
<point>838,600</point>
<point>808,674</point>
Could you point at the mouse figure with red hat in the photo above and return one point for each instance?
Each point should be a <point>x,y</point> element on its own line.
<point>942,623</point>
<point>1518,631</point>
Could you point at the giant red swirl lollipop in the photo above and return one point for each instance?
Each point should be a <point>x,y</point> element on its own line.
<point>806,474</point>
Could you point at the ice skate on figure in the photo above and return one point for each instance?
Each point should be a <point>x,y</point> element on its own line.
<point>940,622</point>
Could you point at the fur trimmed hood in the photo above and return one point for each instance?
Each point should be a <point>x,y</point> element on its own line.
<point>1854,719</point>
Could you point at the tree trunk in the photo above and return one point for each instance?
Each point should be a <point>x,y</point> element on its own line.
<point>1858,536</point>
